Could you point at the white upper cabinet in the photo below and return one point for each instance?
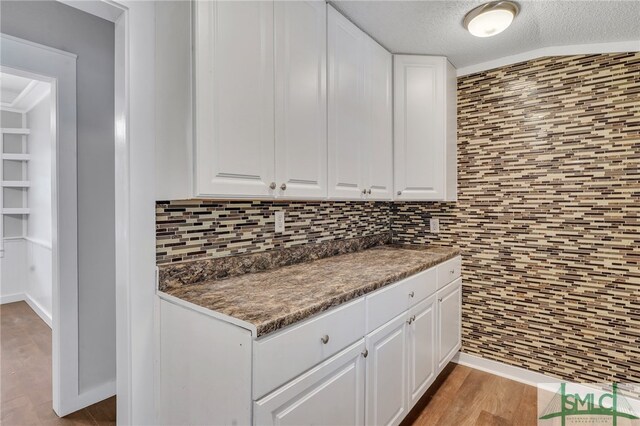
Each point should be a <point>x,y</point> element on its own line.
<point>360,138</point>
<point>346,99</point>
<point>378,145</point>
<point>234,73</point>
<point>424,128</point>
<point>301,99</point>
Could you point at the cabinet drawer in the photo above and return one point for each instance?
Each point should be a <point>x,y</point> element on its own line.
<point>449,271</point>
<point>390,301</point>
<point>285,355</point>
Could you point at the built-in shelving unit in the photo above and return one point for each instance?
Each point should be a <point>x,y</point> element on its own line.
<point>15,182</point>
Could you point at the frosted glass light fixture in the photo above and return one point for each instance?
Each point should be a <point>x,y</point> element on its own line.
<point>491,18</point>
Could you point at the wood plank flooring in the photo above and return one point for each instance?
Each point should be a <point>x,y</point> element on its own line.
<point>25,374</point>
<point>466,396</point>
<point>462,396</point>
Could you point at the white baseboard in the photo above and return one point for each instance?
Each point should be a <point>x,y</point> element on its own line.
<point>11,298</point>
<point>38,309</point>
<point>89,397</point>
<point>503,370</point>
<point>525,376</point>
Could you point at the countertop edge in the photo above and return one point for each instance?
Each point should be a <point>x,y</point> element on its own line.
<point>209,312</point>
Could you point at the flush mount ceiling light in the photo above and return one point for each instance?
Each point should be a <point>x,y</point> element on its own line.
<point>491,18</point>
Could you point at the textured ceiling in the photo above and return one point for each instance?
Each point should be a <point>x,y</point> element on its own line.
<point>435,27</point>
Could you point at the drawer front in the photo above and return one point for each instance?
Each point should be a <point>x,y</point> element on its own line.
<point>449,271</point>
<point>285,355</point>
<point>389,302</point>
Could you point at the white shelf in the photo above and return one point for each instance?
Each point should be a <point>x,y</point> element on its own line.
<point>15,183</point>
<point>16,157</point>
<point>15,210</point>
<point>14,131</point>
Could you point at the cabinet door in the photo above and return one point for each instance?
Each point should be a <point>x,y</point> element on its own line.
<point>345,94</point>
<point>234,98</point>
<point>378,151</point>
<point>331,393</point>
<point>421,348</point>
<point>300,99</point>
<point>419,127</point>
<point>449,319</point>
<point>387,373</point>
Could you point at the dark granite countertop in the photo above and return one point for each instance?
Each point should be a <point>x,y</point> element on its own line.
<point>282,296</point>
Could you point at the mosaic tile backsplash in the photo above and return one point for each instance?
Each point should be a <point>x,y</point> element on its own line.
<point>196,229</point>
<point>547,218</point>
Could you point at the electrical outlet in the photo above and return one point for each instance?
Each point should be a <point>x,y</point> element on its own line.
<point>434,224</point>
<point>279,221</point>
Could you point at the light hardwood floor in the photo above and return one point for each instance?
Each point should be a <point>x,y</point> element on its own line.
<point>25,374</point>
<point>472,397</point>
<point>462,396</point>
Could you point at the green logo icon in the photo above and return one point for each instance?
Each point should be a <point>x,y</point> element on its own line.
<point>567,404</point>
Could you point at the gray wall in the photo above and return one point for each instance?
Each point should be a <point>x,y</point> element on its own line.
<point>92,39</point>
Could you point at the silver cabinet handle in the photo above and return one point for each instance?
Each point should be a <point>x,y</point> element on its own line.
<point>412,294</point>
<point>365,353</point>
<point>369,191</point>
<point>399,192</point>
<point>325,339</point>
<point>273,185</point>
<point>283,186</point>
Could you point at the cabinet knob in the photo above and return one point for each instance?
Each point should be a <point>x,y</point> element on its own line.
<point>453,271</point>
<point>364,191</point>
<point>411,319</point>
<point>369,191</point>
<point>399,192</point>
<point>272,185</point>
<point>412,294</point>
<point>283,186</point>
<point>440,300</point>
<point>365,353</point>
<point>325,339</point>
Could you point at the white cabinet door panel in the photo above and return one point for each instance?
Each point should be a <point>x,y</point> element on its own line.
<point>345,95</point>
<point>387,373</point>
<point>378,135</point>
<point>234,98</point>
<point>449,328</point>
<point>422,344</point>
<point>419,127</point>
<point>331,393</point>
<point>300,99</point>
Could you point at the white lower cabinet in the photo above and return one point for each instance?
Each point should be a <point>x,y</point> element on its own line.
<point>449,319</point>
<point>368,361</point>
<point>422,369</point>
<point>331,393</point>
<point>387,373</point>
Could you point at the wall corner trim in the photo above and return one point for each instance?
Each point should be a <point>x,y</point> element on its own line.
<point>568,50</point>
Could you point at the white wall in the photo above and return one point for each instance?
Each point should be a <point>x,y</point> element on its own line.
<point>39,282</point>
<point>63,27</point>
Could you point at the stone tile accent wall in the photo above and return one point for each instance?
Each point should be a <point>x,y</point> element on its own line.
<point>195,229</point>
<point>548,217</point>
